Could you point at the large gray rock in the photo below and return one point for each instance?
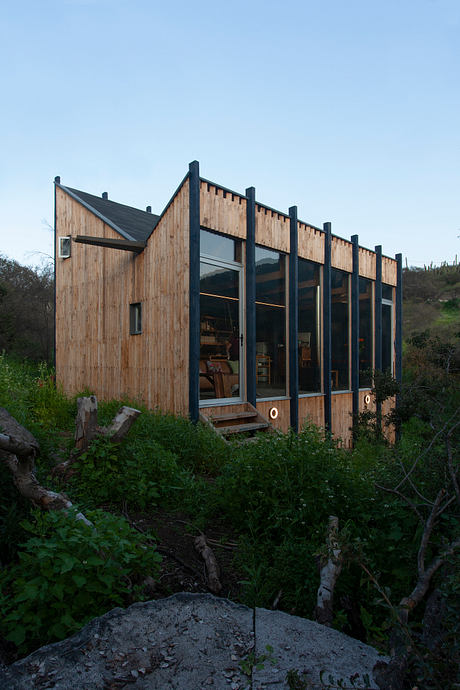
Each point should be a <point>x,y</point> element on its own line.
<point>189,642</point>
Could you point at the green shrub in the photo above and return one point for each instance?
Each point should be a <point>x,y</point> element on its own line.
<point>105,474</point>
<point>69,573</point>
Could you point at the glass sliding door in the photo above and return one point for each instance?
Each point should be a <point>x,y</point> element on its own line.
<point>270,323</point>
<point>221,325</point>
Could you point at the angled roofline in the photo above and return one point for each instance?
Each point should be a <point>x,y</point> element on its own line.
<point>106,220</point>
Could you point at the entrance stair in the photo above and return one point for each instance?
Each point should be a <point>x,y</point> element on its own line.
<point>243,424</point>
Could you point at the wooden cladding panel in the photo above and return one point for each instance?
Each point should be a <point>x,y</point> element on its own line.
<point>272,229</point>
<point>366,263</point>
<point>342,406</point>
<point>222,211</point>
<point>95,288</point>
<point>342,254</point>
<point>310,243</point>
<point>166,289</point>
<point>389,267</point>
<point>282,422</point>
<point>311,409</point>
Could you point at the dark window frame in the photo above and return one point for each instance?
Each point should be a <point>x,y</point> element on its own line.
<point>135,318</point>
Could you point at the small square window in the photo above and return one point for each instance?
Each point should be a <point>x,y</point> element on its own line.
<point>64,247</point>
<point>135,318</point>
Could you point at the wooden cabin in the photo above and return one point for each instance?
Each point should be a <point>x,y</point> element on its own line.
<point>221,307</point>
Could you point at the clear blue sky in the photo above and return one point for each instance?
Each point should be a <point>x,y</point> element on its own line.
<point>348,109</point>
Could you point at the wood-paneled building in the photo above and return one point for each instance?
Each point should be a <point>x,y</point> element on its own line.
<point>218,302</point>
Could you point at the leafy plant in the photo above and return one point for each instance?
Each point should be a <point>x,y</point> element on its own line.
<point>106,476</point>
<point>68,573</point>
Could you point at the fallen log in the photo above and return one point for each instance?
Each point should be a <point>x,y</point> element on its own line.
<point>212,567</point>
<point>18,450</point>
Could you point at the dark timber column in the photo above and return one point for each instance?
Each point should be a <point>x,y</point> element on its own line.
<point>378,324</point>
<point>355,328</point>
<point>399,308</point>
<point>293,320</point>
<point>327,327</point>
<point>378,308</point>
<point>398,333</point>
<point>57,181</point>
<point>194,309</point>
<point>251,295</point>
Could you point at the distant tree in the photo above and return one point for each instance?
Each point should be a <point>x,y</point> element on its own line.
<point>26,310</point>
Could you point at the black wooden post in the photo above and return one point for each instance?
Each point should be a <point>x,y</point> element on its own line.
<point>355,328</point>
<point>327,327</point>
<point>378,308</point>
<point>251,393</point>
<point>293,320</point>
<point>57,181</point>
<point>194,285</point>
<point>399,309</point>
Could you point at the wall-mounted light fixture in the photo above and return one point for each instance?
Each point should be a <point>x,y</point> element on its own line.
<point>273,412</point>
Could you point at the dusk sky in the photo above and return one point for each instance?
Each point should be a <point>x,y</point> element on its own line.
<point>349,110</point>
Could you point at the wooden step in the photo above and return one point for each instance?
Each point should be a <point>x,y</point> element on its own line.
<point>231,416</point>
<point>243,428</point>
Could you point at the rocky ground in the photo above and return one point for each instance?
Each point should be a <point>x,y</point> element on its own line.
<point>193,641</point>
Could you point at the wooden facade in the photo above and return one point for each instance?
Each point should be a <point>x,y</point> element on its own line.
<point>98,286</point>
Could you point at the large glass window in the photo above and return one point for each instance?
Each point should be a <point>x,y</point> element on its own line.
<point>309,343</point>
<point>219,246</point>
<point>340,369</point>
<point>221,333</point>
<point>387,328</point>
<point>365,333</point>
<point>270,323</point>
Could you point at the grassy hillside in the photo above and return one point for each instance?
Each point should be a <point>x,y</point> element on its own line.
<point>431,300</point>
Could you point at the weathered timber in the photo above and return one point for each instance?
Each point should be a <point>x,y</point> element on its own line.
<point>330,571</point>
<point>212,567</point>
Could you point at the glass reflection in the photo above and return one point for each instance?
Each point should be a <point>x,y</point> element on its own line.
<point>270,323</point>
<point>309,327</point>
<point>365,333</point>
<point>340,374</point>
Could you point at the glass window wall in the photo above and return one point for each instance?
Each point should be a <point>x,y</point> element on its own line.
<point>365,333</point>
<point>309,341</point>
<point>387,328</point>
<point>340,369</point>
<point>270,323</point>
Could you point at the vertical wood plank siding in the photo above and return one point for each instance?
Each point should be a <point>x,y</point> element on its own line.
<point>272,229</point>
<point>311,409</point>
<point>342,405</point>
<point>96,286</point>
<point>282,422</point>
<point>222,211</point>
<point>311,243</point>
<point>389,271</point>
<point>341,254</point>
<point>366,263</point>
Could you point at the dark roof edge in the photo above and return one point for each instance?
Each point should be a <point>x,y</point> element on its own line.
<point>105,220</point>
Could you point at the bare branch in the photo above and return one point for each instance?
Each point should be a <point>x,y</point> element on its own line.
<point>415,597</point>
<point>411,505</point>
<point>427,532</point>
